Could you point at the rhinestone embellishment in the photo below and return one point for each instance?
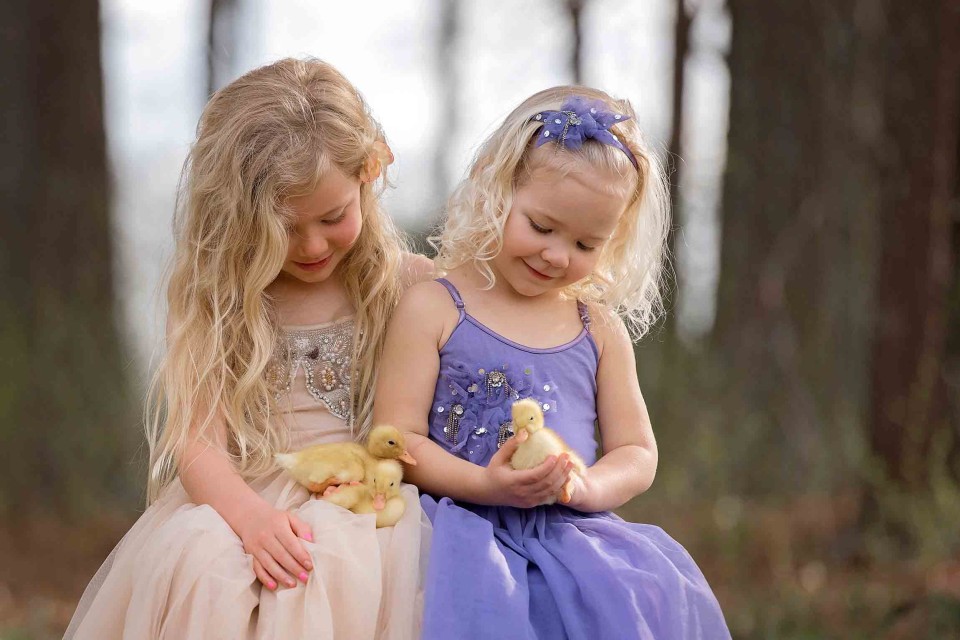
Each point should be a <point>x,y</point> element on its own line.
<point>324,357</point>
<point>505,433</point>
<point>452,429</point>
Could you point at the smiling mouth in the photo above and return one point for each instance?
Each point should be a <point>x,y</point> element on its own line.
<point>538,274</point>
<point>313,266</point>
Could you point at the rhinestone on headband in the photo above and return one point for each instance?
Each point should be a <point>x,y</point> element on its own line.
<point>578,120</point>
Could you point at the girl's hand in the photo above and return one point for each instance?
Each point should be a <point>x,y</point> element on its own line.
<point>579,491</point>
<point>272,537</point>
<point>529,487</point>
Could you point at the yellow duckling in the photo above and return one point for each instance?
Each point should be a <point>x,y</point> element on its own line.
<point>379,493</point>
<point>324,465</point>
<point>538,442</point>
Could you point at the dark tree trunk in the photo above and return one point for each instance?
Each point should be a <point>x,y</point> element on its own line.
<point>799,234</point>
<point>65,425</point>
<point>917,261</point>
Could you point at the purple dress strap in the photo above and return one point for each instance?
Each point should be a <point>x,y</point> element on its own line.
<point>457,300</point>
<point>584,314</point>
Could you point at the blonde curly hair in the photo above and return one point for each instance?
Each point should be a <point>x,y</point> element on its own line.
<point>630,271</point>
<point>267,137</point>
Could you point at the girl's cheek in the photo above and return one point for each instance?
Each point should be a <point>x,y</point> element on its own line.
<point>348,232</point>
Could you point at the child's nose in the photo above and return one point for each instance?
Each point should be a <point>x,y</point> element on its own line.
<point>315,245</point>
<point>556,257</point>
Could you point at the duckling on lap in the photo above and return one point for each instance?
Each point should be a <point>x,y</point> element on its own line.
<point>323,465</point>
<point>379,493</point>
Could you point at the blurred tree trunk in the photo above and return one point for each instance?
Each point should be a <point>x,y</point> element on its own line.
<point>65,422</point>
<point>575,12</point>
<point>449,86</point>
<point>799,235</point>
<point>681,49</point>
<point>221,43</point>
<point>917,269</point>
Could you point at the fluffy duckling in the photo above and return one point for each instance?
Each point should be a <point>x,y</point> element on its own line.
<point>323,465</point>
<point>379,493</point>
<point>538,442</point>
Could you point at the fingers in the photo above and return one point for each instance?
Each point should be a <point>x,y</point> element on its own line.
<point>292,545</point>
<point>556,477</point>
<point>292,570</point>
<point>538,485</point>
<point>263,576</point>
<point>506,451</point>
<point>275,572</point>
<point>300,528</point>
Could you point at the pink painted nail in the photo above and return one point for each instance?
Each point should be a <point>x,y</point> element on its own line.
<point>308,537</point>
<point>303,576</point>
<point>271,585</point>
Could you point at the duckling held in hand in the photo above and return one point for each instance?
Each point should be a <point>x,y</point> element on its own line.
<point>323,465</point>
<point>538,442</point>
<point>379,493</point>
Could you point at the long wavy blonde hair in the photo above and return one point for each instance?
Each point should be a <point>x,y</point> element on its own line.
<point>630,271</point>
<point>268,136</point>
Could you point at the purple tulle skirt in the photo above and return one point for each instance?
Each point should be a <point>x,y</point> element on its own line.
<point>553,573</point>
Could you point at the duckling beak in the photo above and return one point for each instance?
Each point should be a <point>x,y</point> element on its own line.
<point>379,502</point>
<point>523,435</point>
<point>406,457</point>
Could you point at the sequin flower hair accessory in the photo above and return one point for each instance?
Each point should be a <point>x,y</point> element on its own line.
<point>580,119</point>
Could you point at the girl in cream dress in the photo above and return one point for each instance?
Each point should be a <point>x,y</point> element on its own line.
<point>285,274</point>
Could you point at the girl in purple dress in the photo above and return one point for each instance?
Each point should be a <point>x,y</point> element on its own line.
<point>553,250</point>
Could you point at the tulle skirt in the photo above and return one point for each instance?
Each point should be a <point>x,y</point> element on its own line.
<point>181,573</point>
<point>551,573</point>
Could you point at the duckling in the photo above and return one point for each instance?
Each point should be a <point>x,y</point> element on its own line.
<point>323,465</point>
<point>384,499</point>
<point>538,442</point>
<point>379,493</point>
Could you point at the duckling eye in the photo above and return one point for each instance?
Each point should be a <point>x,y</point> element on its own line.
<point>391,442</point>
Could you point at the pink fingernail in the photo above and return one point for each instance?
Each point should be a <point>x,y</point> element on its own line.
<point>308,537</point>
<point>271,585</point>
<point>303,576</point>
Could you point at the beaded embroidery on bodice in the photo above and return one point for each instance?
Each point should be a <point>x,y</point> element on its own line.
<point>324,356</point>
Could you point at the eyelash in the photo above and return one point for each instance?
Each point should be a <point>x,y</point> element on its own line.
<point>339,218</point>
<point>545,231</point>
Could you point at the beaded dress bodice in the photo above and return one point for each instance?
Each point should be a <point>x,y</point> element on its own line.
<point>310,377</point>
<point>482,373</point>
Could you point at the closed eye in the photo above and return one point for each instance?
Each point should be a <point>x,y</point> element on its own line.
<point>538,228</point>
<point>339,218</point>
<point>584,247</point>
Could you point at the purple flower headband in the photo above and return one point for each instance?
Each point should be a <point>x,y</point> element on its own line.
<point>578,120</point>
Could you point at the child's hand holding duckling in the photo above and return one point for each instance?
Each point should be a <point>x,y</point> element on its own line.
<point>537,443</point>
<point>526,488</point>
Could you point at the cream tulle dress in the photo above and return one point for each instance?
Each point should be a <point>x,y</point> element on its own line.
<point>181,572</point>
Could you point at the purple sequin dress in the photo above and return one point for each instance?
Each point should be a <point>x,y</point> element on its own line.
<point>549,572</point>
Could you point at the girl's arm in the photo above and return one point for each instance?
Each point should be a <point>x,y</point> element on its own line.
<point>629,462</point>
<point>422,322</point>
<point>268,534</point>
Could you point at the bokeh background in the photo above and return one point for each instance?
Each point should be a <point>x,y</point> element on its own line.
<point>804,387</point>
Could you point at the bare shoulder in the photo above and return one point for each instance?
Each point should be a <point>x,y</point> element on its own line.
<point>415,268</point>
<point>609,331</point>
<point>427,305</point>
